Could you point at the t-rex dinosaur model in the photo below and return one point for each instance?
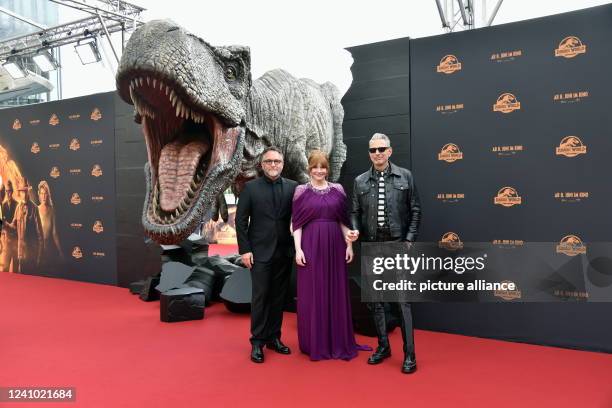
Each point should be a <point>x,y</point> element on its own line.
<point>205,122</point>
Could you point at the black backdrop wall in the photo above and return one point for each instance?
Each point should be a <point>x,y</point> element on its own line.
<point>523,106</point>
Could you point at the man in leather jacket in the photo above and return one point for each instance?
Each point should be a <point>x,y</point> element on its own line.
<point>386,207</point>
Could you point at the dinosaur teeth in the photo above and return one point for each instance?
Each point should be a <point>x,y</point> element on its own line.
<point>132,95</point>
<point>183,206</point>
<point>154,83</point>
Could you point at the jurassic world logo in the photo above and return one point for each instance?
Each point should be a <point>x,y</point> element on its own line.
<point>35,148</point>
<point>34,122</point>
<point>450,197</point>
<point>507,197</point>
<point>76,225</point>
<point>74,116</point>
<point>74,145</point>
<point>570,146</point>
<point>95,114</point>
<point>571,245</point>
<point>97,227</point>
<point>506,103</point>
<point>96,171</point>
<point>54,173</point>
<point>54,120</point>
<point>16,124</point>
<point>450,241</point>
<point>508,294</point>
<point>77,253</point>
<point>75,199</point>
<point>570,47</point>
<point>450,153</point>
<point>448,65</point>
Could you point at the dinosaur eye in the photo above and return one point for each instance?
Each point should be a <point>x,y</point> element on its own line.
<point>230,73</point>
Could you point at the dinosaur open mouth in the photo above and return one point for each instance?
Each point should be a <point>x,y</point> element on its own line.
<point>186,144</point>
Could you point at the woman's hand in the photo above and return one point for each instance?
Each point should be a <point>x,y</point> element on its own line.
<point>300,259</point>
<point>351,235</point>
<point>349,254</point>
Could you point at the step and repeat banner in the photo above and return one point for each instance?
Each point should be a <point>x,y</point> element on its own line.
<point>511,143</point>
<point>58,188</point>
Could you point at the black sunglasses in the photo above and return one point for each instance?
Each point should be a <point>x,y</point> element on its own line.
<point>380,149</point>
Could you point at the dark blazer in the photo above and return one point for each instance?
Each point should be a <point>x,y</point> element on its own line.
<point>259,229</point>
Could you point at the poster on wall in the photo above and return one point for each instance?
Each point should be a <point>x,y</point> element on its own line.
<point>57,189</point>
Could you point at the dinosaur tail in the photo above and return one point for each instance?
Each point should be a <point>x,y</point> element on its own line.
<point>337,155</point>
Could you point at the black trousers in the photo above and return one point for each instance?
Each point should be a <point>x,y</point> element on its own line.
<point>403,310</point>
<point>270,283</point>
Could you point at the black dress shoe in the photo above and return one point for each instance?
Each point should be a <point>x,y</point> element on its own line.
<point>379,355</point>
<point>257,355</point>
<point>409,365</point>
<point>279,347</point>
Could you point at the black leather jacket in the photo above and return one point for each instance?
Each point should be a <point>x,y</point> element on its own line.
<point>403,206</point>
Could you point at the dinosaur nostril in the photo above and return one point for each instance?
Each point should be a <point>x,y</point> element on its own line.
<point>172,29</point>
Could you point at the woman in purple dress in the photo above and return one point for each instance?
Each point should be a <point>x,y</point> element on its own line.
<point>319,223</point>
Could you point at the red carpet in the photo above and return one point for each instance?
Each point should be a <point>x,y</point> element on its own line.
<point>112,347</point>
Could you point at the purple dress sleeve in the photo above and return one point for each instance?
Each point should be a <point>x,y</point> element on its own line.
<point>342,207</point>
<point>302,212</point>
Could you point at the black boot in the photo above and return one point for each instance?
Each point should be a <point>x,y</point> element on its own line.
<point>409,365</point>
<point>381,353</point>
<point>257,355</point>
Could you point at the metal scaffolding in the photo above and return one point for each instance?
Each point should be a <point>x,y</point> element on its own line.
<point>459,15</point>
<point>107,17</point>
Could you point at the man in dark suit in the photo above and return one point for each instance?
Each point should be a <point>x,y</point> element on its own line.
<point>264,241</point>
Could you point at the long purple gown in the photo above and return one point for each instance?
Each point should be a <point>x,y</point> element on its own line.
<point>325,327</point>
